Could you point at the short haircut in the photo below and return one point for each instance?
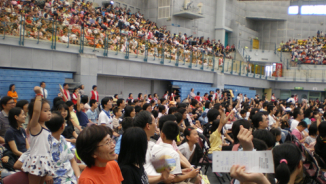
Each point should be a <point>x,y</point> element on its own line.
<point>91,102</point>
<point>142,118</point>
<point>64,84</point>
<point>161,108</point>
<point>194,102</point>
<point>115,95</point>
<point>173,110</point>
<point>155,113</point>
<point>120,101</point>
<point>16,111</point>
<point>259,145</point>
<point>296,112</point>
<point>198,93</point>
<point>265,104</point>
<point>146,105</point>
<point>236,128</point>
<point>133,147</point>
<point>138,108</point>
<point>41,83</point>
<point>313,129</point>
<point>87,142</point>
<point>127,123</point>
<point>178,116</point>
<point>4,101</point>
<point>164,119</point>
<point>303,124</point>
<point>55,122</point>
<point>265,136</point>
<point>270,108</point>
<point>105,101</point>
<point>69,103</point>
<point>322,129</point>
<point>116,110</point>
<point>258,117</point>
<point>212,114</point>
<point>21,103</point>
<point>182,105</point>
<point>162,100</point>
<point>243,111</point>
<point>84,99</point>
<point>94,86</point>
<point>31,107</point>
<point>170,130</point>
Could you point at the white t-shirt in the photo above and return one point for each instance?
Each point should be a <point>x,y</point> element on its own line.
<point>166,150</point>
<point>185,150</point>
<point>294,124</point>
<point>271,120</point>
<point>104,119</point>
<point>149,168</point>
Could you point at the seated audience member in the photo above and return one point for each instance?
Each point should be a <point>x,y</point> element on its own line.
<point>215,138</point>
<point>95,147</point>
<point>126,123</point>
<point>116,119</point>
<point>147,122</point>
<point>320,146</point>
<point>66,168</point>
<point>265,136</point>
<point>236,129</point>
<point>92,112</point>
<point>310,140</point>
<point>130,111</point>
<point>169,132</point>
<point>277,134</point>
<point>298,131</point>
<point>73,117</point>
<point>69,132</point>
<point>132,156</point>
<point>105,118</point>
<point>81,115</point>
<point>84,100</point>
<point>188,147</point>
<point>260,121</point>
<point>23,104</point>
<point>6,103</point>
<point>15,138</point>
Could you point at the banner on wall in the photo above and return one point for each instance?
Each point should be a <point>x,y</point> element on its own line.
<point>278,70</point>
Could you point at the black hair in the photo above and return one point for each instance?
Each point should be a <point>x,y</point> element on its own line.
<point>75,89</point>
<point>212,114</point>
<point>259,145</point>
<point>31,107</point>
<point>138,109</point>
<point>178,117</point>
<point>120,101</point>
<point>296,112</point>
<point>243,111</point>
<point>173,110</point>
<point>65,107</point>
<point>182,105</point>
<point>258,117</point>
<point>161,108</point>
<point>64,84</point>
<point>164,119</point>
<point>133,147</point>
<point>162,100</point>
<point>187,132</point>
<point>170,130</point>
<point>194,102</point>
<point>55,100</point>
<point>276,132</point>
<point>55,122</point>
<point>207,103</point>
<point>94,86</point>
<point>145,106</point>
<point>115,110</point>
<point>287,157</point>
<point>5,100</point>
<point>128,110</point>
<point>265,136</point>
<point>21,103</point>
<point>127,122</point>
<point>91,102</point>
<point>129,94</point>
<point>104,101</point>
<point>322,129</point>
<point>11,85</point>
<point>41,83</point>
<point>198,93</point>
<point>142,118</point>
<point>11,116</point>
<point>84,99</point>
<point>307,113</point>
<point>115,95</point>
<point>181,110</point>
<point>236,128</point>
<point>313,129</point>
<point>155,113</point>
<point>139,95</point>
<point>270,108</point>
<point>69,103</point>
<point>215,125</point>
<point>303,124</point>
<point>87,143</point>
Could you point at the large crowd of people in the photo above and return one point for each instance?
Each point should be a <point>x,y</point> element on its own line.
<point>107,27</point>
<point>85,139</point>
<point>307,51</point>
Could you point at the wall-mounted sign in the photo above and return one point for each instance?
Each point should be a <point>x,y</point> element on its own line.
<point>298,88</point>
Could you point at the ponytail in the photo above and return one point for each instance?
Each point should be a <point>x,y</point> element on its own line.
<point>282,173</point>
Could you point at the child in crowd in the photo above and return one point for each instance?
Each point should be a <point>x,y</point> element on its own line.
<point>277,133</point>
<point>310,141</point>
<point>191,137</point>
<point>298,131</point>
<point>92,112</point>
<point>116,119</point>
<point>65,167</point>
<point>69,132</point>
<point>39,163</point>
<point>320,147</point>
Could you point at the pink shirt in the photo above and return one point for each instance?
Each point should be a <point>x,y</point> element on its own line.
<point>297,133</point>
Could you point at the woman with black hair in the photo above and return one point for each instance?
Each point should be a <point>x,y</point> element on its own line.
<point>69,132</point>
<point>12,93</point>
<point>130,111</point>
<point>132,156</point>
<point>23,104</point>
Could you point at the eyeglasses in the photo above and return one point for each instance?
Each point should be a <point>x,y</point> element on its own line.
<point>107,143</point>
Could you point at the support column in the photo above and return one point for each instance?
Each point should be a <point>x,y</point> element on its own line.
<point>220,20</point>
<point>86,74</point>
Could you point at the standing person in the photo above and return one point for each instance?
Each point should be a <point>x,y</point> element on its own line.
<point>105,118</point>
<point>273,98</point>
<point>94,93</point>
<point>81,90</point>
<point>81,115</point>
<point>166,95</point>
<point>198,98</point>
<point>129,98</point>
<point>39,163</point>
<point>6,103</point>
<point>74,96</point>
<point>192,94</point>
<point>132,156</point>
<point>95,146</point>
<point>12,93</point>
<point>65,92</point>
<point>173,95</point>
<point>43,90</point>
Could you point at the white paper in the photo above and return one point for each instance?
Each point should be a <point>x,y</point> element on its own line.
<point>255,161</point>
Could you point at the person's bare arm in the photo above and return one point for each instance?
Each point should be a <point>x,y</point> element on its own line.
<point>34,126</point>
<point>184,162</point>
<point>2,140</point>
<point>75,124</point>
<point>75,167</point>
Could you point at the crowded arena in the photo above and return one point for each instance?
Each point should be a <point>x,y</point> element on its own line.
<point>86,97</point>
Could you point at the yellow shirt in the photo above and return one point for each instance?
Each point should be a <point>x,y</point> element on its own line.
<point>216,142</point>
<point>73,116</point>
